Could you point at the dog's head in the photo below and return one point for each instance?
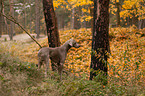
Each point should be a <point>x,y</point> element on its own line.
<point>73,43</point>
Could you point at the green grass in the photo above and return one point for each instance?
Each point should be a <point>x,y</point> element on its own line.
<point>16,76</point>
<point>19,75</point>
<point>22,78</point>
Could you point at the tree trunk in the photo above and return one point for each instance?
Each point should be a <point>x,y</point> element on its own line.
<point>83,24</point>
<point>6,24</point>
<point>51,24</point>
<point>61,22</point>
<point>0,25</point>
<point>100,40</point>
<point>25,19</point>
<point>0,18</point>
<point>91,14</point>
<point>73,19</point>
<point>118,14</point>
<point>143,24</point>
<point>30,17</point>
<point>11,23</point>
<point>37,19</point>
<point>134,20</point>
<point>140,24</point>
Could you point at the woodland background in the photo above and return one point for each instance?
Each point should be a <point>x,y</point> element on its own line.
<point>18,56</point>
<point>71,14</point>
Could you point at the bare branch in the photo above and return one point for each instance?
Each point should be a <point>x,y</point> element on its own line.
<point>13,20</point>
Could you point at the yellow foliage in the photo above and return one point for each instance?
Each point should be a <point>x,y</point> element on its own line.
<point>130,8</point>
<point>127,51</point>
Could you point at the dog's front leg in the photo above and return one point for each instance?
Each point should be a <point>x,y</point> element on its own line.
<point>39,63</point>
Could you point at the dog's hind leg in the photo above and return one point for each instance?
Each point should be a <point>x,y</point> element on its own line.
<point>47,66</point>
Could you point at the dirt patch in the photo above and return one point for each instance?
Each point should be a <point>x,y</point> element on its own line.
<point>20,37</point>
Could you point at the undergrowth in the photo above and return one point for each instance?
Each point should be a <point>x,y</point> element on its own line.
<point>126,71</point>
<point>22,78</point>
<point>16,76</point>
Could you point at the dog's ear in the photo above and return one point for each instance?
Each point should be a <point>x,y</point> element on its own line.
<point>71,42</point>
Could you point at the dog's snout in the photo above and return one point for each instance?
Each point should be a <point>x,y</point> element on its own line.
<point>77,45</point>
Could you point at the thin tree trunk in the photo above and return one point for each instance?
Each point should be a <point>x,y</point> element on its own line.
<point>30,17</point>
<point>6,24</point>
<point>100,40</point>
<point>11,23</point>
<point>0,18</point>
<point>118,14</point>
<point>73,19</point>
<point>51,24</point>
<point>134,20</point>
<point>83,24</point>
<point>92,14</point>
<point>37,19</point>
<point>62,22</point>
<point>143,24</point>
<point>25,20</point>
<point>139,24</point>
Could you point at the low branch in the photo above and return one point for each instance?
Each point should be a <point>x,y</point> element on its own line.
<point>13,20</point>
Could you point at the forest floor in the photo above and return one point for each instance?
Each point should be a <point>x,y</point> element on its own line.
<point>20,37</point>
<point>126,66</point>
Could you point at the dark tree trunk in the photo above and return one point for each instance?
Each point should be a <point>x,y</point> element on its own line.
<point>51,24</point>
<point>100,40</point>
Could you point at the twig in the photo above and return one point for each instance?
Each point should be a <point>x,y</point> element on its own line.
<point>13,20</point>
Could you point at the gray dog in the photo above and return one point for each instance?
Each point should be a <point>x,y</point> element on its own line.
<point>57,55</point>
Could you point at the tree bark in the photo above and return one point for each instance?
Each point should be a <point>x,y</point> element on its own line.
<point>0,25</point>
<point>100,40</point>
<point>37,19</point>
<point>6,24</point>
<point>51,25</point>
<point>92,14</point>
<point>73,19</point>
<point>118,13</point>
<point>11,23</point>
<point>83,24</point>
<point>30,17</point>
<point>0,18</point>
<point>143,24</point>
<point>25,19</point>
